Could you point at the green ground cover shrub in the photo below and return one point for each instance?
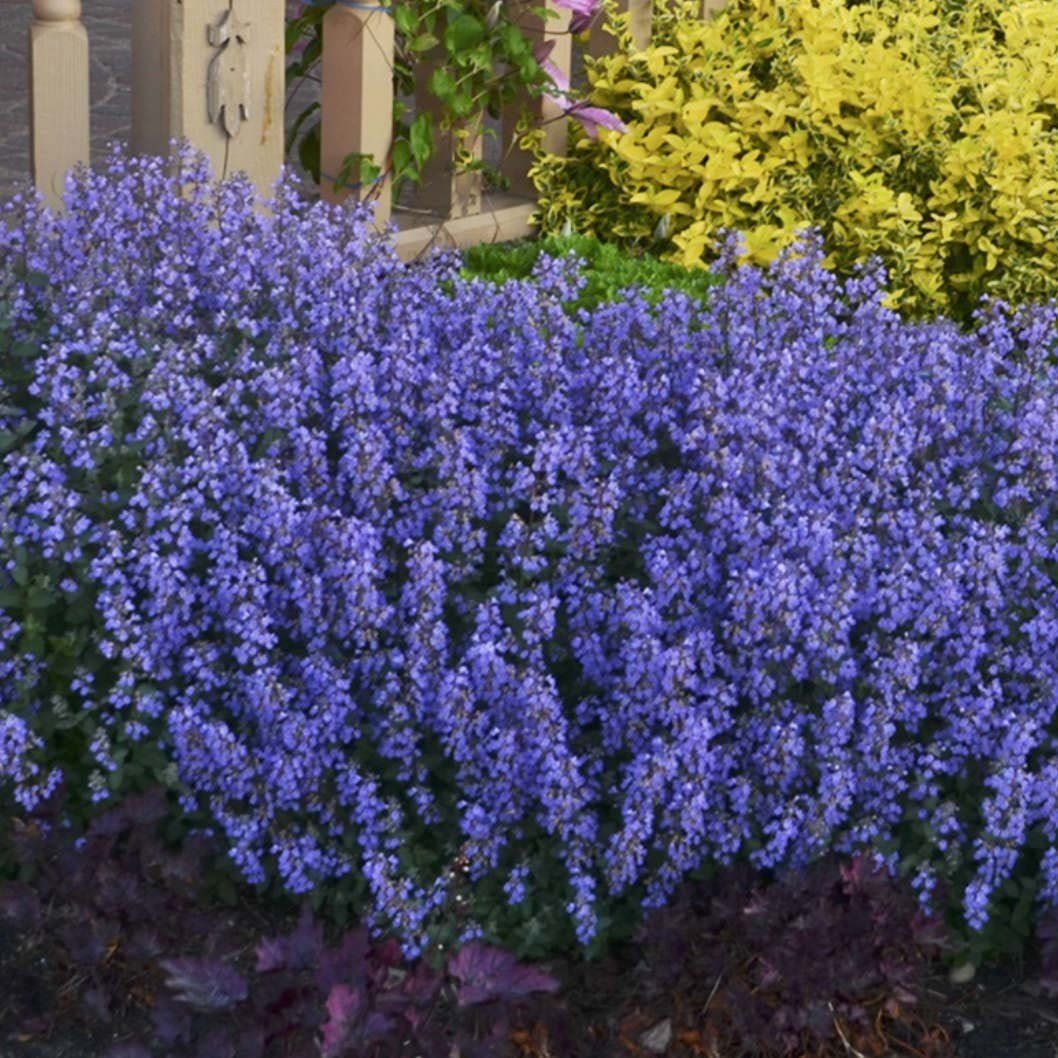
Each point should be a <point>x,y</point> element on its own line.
<point>925,133</point>
<point>608,271</point>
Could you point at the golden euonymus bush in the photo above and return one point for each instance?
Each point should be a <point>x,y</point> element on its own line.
<point>923,132</point>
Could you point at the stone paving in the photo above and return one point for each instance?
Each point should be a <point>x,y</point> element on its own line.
<point>109,31</point>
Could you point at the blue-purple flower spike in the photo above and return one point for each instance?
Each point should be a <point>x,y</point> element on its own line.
<point>370,550</point>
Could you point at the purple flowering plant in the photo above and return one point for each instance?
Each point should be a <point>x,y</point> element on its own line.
<point>500,619</point>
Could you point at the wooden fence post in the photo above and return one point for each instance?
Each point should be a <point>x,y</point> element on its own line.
<point>221,74</point>
<point>58,93</point>
<point>515,162</point>
<point>151,77</point>
<point>445,190</point>
<point>642,13</point>
<point>357,100</point>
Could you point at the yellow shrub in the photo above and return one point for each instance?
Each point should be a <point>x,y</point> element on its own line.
<point>923,132</point>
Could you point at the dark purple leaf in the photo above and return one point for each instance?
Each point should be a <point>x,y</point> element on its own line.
<point>271,955</point>
<point>343,964</point>
<point>184,867</point>
<point>28,841</point>
<point>288,1003</point>
<point>490,1047</point>
<point>413,1017</point>
<point>376,1025</point>
<point>217,1044</point>
<point>387,953</point>
<point>250,1042</point>
<point>137,810</point>
<point>864,876</point>
<point>1047,934</point>
<point>417,988</point>
<point>172,1023</point>
<point>422,984</point>
<point>344,1007</point>
<point>84,942</point>
<point>147,808</point>
<point>111,824</point>
<point>127,1050</point>
<point>305,943</point>
<point>205,984</point>
<point>118,892</point>
<point>298,951</point>
<point>929,933</point>
<point>20,905</point>
<point>1047,930</point>
<point>485,973</point>
<point>97,1003</point>
<point>383,957</point>
<point>144,944</point>
<point>431,1039</point>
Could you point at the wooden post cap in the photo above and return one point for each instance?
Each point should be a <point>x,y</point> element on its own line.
<point>57,10</point>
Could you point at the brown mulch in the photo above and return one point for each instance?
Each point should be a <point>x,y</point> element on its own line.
<point>997,1015</point>
<point>40,1004</point>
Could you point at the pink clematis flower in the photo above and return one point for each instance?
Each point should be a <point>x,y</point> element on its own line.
<point>591,119</point>
<point>583,11</point>
<point>542,53</point>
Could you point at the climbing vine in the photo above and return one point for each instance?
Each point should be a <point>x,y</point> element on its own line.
<point>483,58</point>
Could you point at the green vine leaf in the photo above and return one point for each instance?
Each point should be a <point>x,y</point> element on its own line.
<point>463,33</point>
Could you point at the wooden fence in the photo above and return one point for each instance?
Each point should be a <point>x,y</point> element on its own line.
<point>213,72</point>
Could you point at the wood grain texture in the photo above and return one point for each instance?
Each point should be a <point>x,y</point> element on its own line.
<point>446,190</point>
<point>151,73</point>
<point>253,144</point>
<point>357,101</point>
<point>59,95</point>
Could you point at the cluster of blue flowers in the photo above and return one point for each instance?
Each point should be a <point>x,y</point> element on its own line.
<point>373,550</point>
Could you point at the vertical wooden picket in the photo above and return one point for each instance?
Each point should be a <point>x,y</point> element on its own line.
<point>151,77</point>
<point>545,113</point>
<point>211,72</point>
<point>357,100</point>
<point>227,76</point>
<point>59,95</point>
<point>641,13</point>
<point>445,190</point>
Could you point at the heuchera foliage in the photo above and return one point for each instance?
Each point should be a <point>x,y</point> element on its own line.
<point>827,960</point>
<point>117,934</point>
<point>435,586</point>
<point>117,939</point>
